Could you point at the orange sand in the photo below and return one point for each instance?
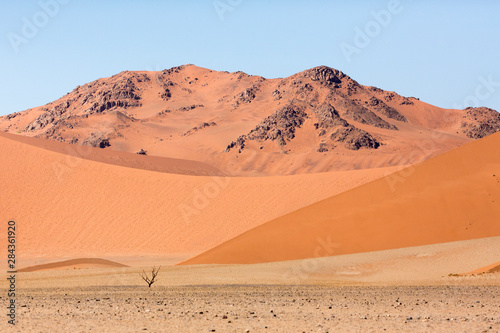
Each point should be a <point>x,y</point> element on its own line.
<point>493,268</point>
<point>455,196</point>
<point>64,205</point>
<point>73,264</point>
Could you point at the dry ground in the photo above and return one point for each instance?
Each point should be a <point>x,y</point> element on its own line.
<point>260,308</point>
<point>367,292</point>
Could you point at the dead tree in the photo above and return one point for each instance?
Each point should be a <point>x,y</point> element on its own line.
<point>149,280</point>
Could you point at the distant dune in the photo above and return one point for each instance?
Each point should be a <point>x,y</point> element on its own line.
<point>452,197</point>
<point>73,264</point>
<point>493,268</point>
<point>152,163</point>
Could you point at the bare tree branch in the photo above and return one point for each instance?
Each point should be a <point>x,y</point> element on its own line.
<point>149,280</point>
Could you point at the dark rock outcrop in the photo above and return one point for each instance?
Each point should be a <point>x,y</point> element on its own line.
<point>386,110</point>
<point>354,138</point>
<point>328,117</point>
<point>166,94</point>
<point>245,97</point>
<point>359,113</point>
<point>96,140</point>
<point>199,127</point>
<point>279,127</point>
<point>281,124</point>
<point>276,95</point>
<point>123,93</point>
<point>12,115</point>
<point>406,101</point>
<point>48,117</point>
<point>480,122</point>
<point>325,75</point>
<point>190,107</point>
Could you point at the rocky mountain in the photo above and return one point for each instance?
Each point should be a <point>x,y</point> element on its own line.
<point>316,120</point>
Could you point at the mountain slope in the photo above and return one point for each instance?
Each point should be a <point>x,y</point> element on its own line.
<point>314,121</point>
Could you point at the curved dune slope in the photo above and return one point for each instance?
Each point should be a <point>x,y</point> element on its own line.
<point>73,263</point>
<point>493,268</point>
<point>455,196</point>
<point>72,207</point>
<point>109,156</point>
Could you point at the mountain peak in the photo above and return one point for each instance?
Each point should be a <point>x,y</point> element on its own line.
<point>324,74</point>
<point>314,121</point>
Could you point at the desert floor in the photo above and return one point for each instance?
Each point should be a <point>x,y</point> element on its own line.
<point>261,308</point>
<point>416,289</point>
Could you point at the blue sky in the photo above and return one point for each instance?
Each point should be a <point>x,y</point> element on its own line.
<point>444,52</point>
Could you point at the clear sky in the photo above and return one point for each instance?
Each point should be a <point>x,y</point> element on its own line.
<point>444,52</point>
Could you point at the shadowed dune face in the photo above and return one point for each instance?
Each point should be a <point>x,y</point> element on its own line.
<point>66,205</point>
<point>455,196</point>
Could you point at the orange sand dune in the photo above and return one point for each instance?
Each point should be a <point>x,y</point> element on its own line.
<point>73,264</point>
<point>455,196</point>
<point>73,207</point>
<point>153,163</point>
<point>493,268</point>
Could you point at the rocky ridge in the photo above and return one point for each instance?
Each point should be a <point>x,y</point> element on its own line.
<point>321,103</point>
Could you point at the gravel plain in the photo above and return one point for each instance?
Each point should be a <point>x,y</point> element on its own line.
<point>259,308</point>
